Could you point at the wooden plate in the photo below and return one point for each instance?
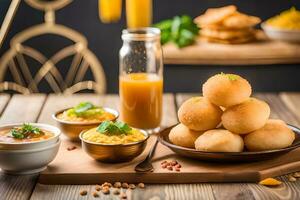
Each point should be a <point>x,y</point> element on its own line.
<point>245,156</point>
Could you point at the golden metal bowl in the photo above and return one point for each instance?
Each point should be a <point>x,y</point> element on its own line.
<point>114,153</point>
<point>73,129</point>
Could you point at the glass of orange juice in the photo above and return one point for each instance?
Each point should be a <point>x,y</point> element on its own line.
<point>110,10</point>
<point>141,78</point>
<point>138,13</point>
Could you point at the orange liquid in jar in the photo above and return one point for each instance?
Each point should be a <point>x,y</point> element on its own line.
<point>141,100</point>
<point>138,13</point>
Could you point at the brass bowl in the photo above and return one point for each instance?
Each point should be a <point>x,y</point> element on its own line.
<point>114,153</point>
<point>73,129</point>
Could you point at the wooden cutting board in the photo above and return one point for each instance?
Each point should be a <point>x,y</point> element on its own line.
<point>76,167</point>
<point>263,51</point>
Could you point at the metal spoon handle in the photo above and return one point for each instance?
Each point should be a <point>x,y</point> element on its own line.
<point>152,151</point>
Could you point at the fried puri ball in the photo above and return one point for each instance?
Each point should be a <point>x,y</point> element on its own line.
<point>183,136</point>
<point>246,117</point>
<point>219,140</point>
<point>226,89</point>
<point>197,113</point>
<point>275,134</point>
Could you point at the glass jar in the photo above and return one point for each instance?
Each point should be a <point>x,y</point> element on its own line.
<point>141,78</point>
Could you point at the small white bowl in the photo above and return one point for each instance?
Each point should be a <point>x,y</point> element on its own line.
<point>21,162</point>
<point>30,145</point>
<point>281,34</point>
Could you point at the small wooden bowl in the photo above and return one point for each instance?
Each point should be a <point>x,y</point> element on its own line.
<point>73,129</point>
<point>114,153</point>
<point>245,156</point>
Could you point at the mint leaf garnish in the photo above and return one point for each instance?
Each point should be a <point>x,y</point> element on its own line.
<point>116,128</point>
<point>82,107</point>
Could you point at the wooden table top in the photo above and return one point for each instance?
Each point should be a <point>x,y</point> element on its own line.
<point>35,108</point>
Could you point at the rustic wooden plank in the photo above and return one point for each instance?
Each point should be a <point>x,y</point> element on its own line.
<point>72,192</point>
<point>20,109</point>
<point>23,108</point>
<point>4,98</point>
<point>281,108</point>
<point>292,101</point>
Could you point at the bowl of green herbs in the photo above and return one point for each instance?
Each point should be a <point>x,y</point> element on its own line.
<point>180,30</point>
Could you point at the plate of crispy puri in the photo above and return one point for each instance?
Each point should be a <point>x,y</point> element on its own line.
<point>227,124</point>
<point>227,25</point>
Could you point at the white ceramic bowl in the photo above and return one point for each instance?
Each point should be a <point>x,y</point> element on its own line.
<point>20,162</point>
<point>281,34</point>
<point>30,145</point>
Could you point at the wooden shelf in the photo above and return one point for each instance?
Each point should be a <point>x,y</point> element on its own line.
<point>262,52</point>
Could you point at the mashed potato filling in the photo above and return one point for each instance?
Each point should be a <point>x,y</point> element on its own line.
<point>85,112</point>
<point>289,19</point>
<point>93,135</point>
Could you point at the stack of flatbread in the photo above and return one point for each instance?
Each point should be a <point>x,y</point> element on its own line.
<point>227,25</point>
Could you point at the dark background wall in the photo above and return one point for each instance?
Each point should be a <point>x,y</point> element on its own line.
<point>104,41</point>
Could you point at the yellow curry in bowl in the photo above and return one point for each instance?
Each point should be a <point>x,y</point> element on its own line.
<point>86,112</point>
<point>113,133</point>
<point>24,134</point>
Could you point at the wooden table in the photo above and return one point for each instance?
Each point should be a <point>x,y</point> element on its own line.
<point>36,108</point>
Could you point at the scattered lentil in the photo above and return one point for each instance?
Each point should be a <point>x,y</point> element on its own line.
<point>123,195</point>
<point>174,162</point>
<point>83,192</point>
<point>117,185</point>
<point>170,168</point>
<point>107,184</point>
<point>125,185</point>
<point>292,179</point>
<point>71,148</point>
<point>163,162</point>
<point>131,186</point>
<point>141,185</point>
<point>98,187</point>
<point>105,190</point>
<point>116,192</point>
<point>296,174</point>
<point>178,166</point>
<point>95,194</point>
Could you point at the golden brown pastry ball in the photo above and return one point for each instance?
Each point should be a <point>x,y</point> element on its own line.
<point>275,134</point>
<point>246,117</point>
<point>219,140</point>
<point>182,136</point>
<point>226,89</point>
<point>197,113</point>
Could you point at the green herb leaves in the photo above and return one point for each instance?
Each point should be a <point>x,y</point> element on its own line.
<point>85,109</point>
<point>82,107</point>
<point>109,127</point>
<point>17,134</point>
<point>25,131</point>
<point>180,30</point>
<point>231,77</point>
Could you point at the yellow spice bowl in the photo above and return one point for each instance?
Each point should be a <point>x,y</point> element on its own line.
<point>114,153</point>
<point>73,129</point>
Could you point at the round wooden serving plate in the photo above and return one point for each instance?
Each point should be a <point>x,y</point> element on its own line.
<point>245,156</point>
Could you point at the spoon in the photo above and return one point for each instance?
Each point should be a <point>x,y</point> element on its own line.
<point>146,165</point>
